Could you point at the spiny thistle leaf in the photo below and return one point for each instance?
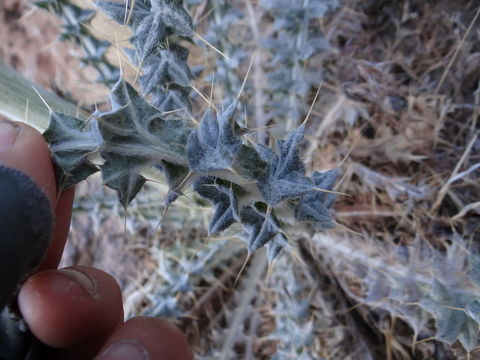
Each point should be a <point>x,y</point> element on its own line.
<point>140,136</point>
<point>313,207</point>
<point>170,99</point>
<point>222,196</point>
<point>167,76</point>
<point>152,25</point>
<point>116,11</point>
<point>165,67</point>
<point>244,183</point>
<point>73,143</point>
<point>135,128</point>
<point>122,174</point>
<point>452,322</point>
<point>286,178</point>
<point>275,247</point>
<point>259,226</point>
<point>74,17</point>
<point>175,176</point>
<point>212,145</point>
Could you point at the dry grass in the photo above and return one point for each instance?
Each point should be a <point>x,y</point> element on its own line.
<point>403,93</point>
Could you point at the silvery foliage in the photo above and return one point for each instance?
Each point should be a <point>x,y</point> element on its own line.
<point>177,276</point>
<point>74,20</point>
<point>294,41</point>
<point>225,15</point>
<point>264,189</point>
<point>244,184</point>
<point>297,323</point>
<point>418,284</point>
<point>288,75</point>
<point>155,24</point>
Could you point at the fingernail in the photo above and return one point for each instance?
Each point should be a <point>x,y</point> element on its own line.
<point>82,279</point>
<point>8,134</point>
<point>125,350</point>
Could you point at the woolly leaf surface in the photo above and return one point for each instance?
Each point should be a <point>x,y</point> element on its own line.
<point>259,226</point>
<point>285,178</point>
<point>171,99</point>
<point>165,67</point>
<point>122,174</point>
<point>136,135</point>
<point>175,176</point>
<point>452,322</point>
<point>73,143</point>
<point>151,26</point>
<point>213,144</point>
<point>313,207</point>
<point>222,196</point>
<point>135,128</point>
<point>116,11</point>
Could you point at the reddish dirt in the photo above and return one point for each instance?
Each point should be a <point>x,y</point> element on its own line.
<point>31,46</point>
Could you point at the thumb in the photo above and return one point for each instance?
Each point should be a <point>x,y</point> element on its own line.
<point>25,216</point>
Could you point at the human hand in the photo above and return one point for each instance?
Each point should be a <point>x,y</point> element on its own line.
<point>77,312</point>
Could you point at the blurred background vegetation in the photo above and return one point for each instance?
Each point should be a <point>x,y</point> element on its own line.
<point>397,111</point>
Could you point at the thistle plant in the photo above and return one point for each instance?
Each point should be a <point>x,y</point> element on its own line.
<point>262,194</point>
<point>265,189</point>
<point>415,283</point>
<point>180,269</point>
<point>289,78</point>
<point>297,324</point>
<point>223,19</point>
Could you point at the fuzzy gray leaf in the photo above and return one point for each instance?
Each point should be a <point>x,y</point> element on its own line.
<point>133,127</point>
<point>250,161</point>
<point>168,66</point>
<point>175,176</point>
<point>149,35</point>
<point>122,174</point>
<point>171,99</point>
<point>313,207</point>
<point>275,247</point>
<point>285,177</point>
<point>151,26</point>
<point>212,145</point>
<point>452,321</point>
<point>222,196</point>
<point>116,11</point>
<point>259,226</point>
<point>73,143</point>
<point>136,135</point>
<point>175,17</point>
